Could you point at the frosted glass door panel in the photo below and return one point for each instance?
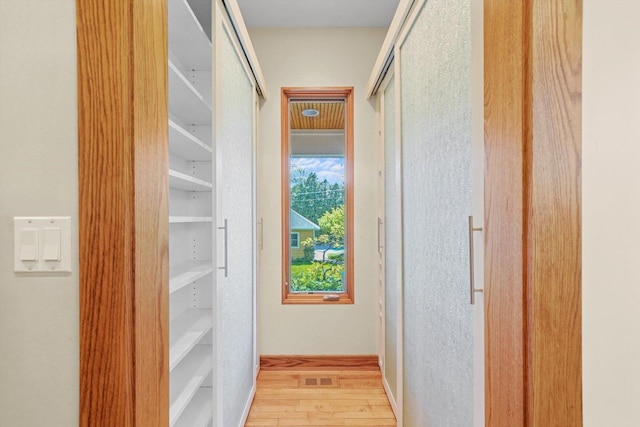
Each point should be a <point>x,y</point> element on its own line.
<point>392,241</point>
<point>235,184</point>
<point>435,63</point>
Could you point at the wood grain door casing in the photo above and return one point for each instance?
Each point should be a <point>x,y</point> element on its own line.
<point>532,212</point>
<point>123,186</point>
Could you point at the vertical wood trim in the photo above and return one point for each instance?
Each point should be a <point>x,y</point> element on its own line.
<point>349,190</point>
<point>527,139</point>
<point>151,166</point>
<point>532,212</point>
<point>554,216</point>
<point>504,212</point>
<point>286,202</point>
<point>123,187</point>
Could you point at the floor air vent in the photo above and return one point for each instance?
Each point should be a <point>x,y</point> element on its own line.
<point>325,381</point>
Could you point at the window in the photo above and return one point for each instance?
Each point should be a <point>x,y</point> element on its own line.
<point>295,240</point>
<point>317,195</point>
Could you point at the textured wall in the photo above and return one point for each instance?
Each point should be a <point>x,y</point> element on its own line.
<point>435,85</point>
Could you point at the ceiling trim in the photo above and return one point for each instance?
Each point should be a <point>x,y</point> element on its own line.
<point>385,57</point>
<point>237,22</point>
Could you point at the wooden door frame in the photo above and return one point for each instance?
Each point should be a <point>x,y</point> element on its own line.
<point>533,87</point>
<point>123,209</point>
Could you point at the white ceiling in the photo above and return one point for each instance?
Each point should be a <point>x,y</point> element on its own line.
<point>317,13</point>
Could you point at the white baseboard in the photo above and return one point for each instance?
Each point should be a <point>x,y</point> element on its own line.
<point>247,406</point>
<point>392,400</point>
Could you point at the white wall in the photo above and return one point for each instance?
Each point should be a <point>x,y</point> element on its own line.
<point>38,176</point>
<point>611,213</point>
<point>318,57</point>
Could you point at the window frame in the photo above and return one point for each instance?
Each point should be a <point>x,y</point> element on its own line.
<point>297,246</point>
<point>321,93</point>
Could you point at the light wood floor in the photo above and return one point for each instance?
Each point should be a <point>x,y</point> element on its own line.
<point>338,398</point>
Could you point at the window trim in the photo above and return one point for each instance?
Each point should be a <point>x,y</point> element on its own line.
<point>293,93</point>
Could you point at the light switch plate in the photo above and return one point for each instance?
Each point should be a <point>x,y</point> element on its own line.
<point>52,246</point>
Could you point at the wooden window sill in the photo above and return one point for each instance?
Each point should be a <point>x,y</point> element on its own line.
<point>344,298</point>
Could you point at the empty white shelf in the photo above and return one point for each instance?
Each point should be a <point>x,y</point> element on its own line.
<point>186,102</point>
<point>187,39</point>
<point>182,181</point>
<point>198,365</point>
<point>200,411</point>
<point>186,146</point>
<point>186,219</point>
<point>183,274</point>
<point>186,331</point>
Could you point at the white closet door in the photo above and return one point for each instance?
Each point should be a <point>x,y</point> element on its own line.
<point>477,96</point>
<point>434,61</point>
<point>392,241</point>
<point>235,219</point>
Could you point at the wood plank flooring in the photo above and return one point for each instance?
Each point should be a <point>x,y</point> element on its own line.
<point>320,398</point>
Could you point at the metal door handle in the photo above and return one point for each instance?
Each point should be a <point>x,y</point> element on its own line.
<point>379,235</point>
<point>472,284</point>
<point>225,265</point>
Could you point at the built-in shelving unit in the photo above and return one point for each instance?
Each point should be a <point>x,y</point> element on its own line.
<point>190,218</point>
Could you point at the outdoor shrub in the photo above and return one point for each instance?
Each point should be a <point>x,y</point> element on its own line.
<point>309,249</point>
<point>337,257</point>
<point>322,277</point>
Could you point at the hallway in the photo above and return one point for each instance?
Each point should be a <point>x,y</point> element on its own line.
<point>177,277</point>
<point>339,398</point>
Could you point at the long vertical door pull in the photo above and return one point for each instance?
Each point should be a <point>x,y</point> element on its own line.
<point>379,235</point>
<point>472,284</point>
<point>261,234</point>
<point>225,264</point>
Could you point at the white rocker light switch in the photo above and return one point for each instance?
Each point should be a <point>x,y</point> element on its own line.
<point>28,244</point>
<point>42,244</point>
<point>51,243</point>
